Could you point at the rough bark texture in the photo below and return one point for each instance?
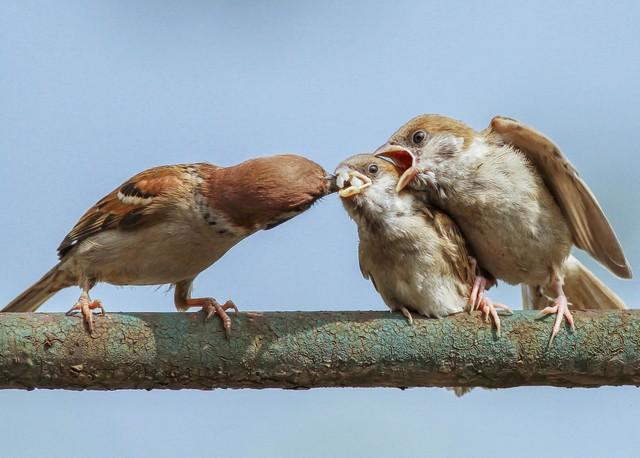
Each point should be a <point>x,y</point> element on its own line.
<point>315,349</point>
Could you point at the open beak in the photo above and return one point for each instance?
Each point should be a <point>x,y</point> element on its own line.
<point>351,183</point>
<point>406,178</point>
<point>403,159</point>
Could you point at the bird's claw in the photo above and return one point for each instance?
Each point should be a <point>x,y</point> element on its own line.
<point>211,307</point>
<point>477,292</point>
<point>407,314</point>
<point>251,316</point>
<point>561,310</point>
<point>83,308</point>
<point>489,310</point>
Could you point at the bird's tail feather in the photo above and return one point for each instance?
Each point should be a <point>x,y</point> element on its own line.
<point>29,301</point>
<point>460,391</point>
<point>583,289</point>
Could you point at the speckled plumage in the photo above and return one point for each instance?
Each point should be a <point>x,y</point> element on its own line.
<point>167,224</point>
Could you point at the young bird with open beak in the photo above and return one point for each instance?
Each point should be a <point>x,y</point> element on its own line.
<point>167,224</point>
<point>414,255</point>
<point>519,203</point>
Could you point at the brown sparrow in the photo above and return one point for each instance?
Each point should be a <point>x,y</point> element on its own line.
<point>414,255</point>
<point>519,203</point>
<point>167,224</point>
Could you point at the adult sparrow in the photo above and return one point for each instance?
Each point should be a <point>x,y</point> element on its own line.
<point>167,224</point>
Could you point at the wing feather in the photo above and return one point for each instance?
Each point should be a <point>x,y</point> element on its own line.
<point>589,226</point>
<point>135,202</point>
<point>454,249</point>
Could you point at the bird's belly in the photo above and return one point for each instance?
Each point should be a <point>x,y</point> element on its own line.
<point>421,292</point>
<point>518,245</point>
<point>412,280</point>
<point>149,256</point>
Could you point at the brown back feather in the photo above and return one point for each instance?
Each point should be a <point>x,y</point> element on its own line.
<point>455,250</point>
<point>143,194</point>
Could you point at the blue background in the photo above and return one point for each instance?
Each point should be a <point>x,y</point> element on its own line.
<point>93,92</point>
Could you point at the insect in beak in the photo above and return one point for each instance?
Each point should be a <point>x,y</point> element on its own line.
<point>351,182</point>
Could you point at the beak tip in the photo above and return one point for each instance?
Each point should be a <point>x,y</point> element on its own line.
<point>332,183</point>
<point>406,178</point>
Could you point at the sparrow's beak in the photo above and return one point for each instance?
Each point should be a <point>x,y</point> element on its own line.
<point>406,178</point>
<point>403,159</point>
<point>351,183</point>
<point>332,184</point>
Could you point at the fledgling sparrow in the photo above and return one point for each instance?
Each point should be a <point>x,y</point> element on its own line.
<point>167,224</point>
<point>414,255</point>
<point>519,203</point>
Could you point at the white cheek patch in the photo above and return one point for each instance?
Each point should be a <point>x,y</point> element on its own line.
<point>445,162</point>
<point>442,146</point>
<point>447,142</point>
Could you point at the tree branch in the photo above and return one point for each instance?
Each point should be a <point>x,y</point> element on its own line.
<point>315,349</point>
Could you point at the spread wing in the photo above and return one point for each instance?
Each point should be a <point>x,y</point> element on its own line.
<point>589,226</point>
<point>137,202</point>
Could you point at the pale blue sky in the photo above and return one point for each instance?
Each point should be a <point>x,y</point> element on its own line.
<point>92,93</point>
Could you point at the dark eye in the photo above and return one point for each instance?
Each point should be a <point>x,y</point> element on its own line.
<point>419,136</point>
<point>373,169</point>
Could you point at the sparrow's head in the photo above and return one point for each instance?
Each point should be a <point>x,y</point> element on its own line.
<point>265,192</point>
<point>423,147</point>
<point>367,184</point>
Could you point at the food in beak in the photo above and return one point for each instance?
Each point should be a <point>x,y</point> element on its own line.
<point>352,183</point>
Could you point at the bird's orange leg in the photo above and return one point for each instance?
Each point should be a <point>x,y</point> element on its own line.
<point>84,307</point>
<point>560,308</point>
<point>210,307</point>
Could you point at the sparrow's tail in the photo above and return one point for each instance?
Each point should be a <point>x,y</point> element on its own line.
<point>29,301</point>
<point>583,289</point>
<point>460,391</point>
<point>586,291</point>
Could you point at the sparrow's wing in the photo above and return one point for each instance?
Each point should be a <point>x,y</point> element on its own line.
<point>363,269</point>
<point>454,249</point>
<point>589,226</point>
<point>137,202</point>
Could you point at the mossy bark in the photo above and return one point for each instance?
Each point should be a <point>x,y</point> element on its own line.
<point>315,349</point>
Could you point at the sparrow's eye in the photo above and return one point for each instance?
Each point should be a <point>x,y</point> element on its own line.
<point>419,136</point>
<point>373,169</point>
